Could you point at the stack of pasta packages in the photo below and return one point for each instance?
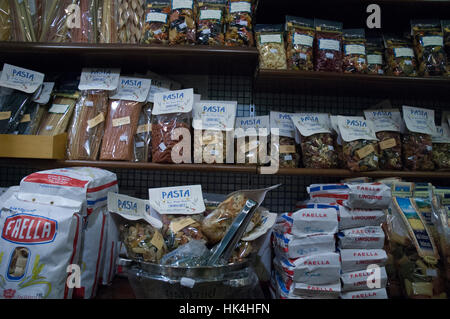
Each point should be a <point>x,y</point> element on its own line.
<point>360,240</point>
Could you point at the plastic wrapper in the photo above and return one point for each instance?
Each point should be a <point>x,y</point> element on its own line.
<point>142,139</point>
<point>354,58</point>
<point>175,232</point>
<point>357,280</point>
<point>139,240</point>
<point>191,254</point>
<point>107,21</point>
<point>367,237</point>
<point>318,151</point>
<point>359,259</point>
<point>360,163</point>
<point>87,125</point>
<point>57,117</point>
<point>31,119</point>
<point>23,26</point>
<point>255,141</point>
<point>130,21</point>
<point>270,44</point>
<point>417,151</point>
<point>365,294</point>
<point>13,104</point>
<point>428,40</point>
<point>211,144</point>
<point>299,43</point>
<point>400,58</point>
<point>156,23</point>
<point>445,24</point>
<point>328,52</point>
<point>375,56</point>
<point>390,156</point>
<point>120,129</point>
<point>441,147</point>
<point>288,152</point>
<point>211,22</point>
<point>182,18</point>
<point>5,21</point>
<point>239,23</point>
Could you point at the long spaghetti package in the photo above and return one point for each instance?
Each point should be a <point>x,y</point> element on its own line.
<point>299,43</point>
<point>124,109</point>
<point>156,22</point>
<point>5,20</point>
<point>142,139</point>
<point>441,147</point>
<point>23,24</point>
<point>107,21</point>
<point>57,117</point>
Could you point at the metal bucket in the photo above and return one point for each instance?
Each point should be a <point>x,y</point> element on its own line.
<point>153,281</point>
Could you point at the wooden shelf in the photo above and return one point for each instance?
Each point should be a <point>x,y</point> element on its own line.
<point>195,59</point>
<point>354,84</point>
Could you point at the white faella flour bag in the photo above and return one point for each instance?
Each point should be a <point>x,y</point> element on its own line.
<point>369,237</point>
<point>330,290</point>
<point>311,221</point>
<point>360,259</point>
<point>373,278</point>
<point>318,269</point>
<point>366,294</point>
<point>40,238</point>
<point>353,218</point>
<point>326,193</point>
<point>368,195</point>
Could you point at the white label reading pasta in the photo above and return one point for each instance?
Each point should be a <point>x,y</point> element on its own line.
<point>121,121</point>
<point>403,52</point>
<point>270,38</point>
<point>375,59</point>
<point>433,41</point>
<point>327,44</point>
<point>301,39</point>
<point>240,7</point>
<point>156,17</point>
<point>59,108</point>
<point>355,49</point>
<point>210,14</point>
<point>182,4</point>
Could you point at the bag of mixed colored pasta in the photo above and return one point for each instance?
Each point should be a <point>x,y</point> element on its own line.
<point>375,56</point>
<point>156,22</point>
<point>211,22</point>
<point>182,29</point>
<point>400,58</point>
<point>270,44</point>
<point>328,52</point>
<point>285,150</point>
<point>354,46</point>
<point>441,147</point>
<point>239,23</point>
<point>300,42</point>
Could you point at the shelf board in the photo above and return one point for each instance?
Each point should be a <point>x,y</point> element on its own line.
<point>187,59</point>
<point>290,81</point>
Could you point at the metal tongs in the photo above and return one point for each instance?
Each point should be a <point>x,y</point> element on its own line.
<point>234,234</point>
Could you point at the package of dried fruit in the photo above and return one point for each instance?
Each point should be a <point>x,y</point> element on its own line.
<point>388,127</point>
<point>299,42</point>
<point>182,29</point>
<point>375,56</point>
<point>360,144</point>
<point>316,140</point>
<point>441,147</point>
<point>417,140</point>
<point>270,44</point>
<point>400,58</point>
<point>354,49</point>
<point>282,131</point>
<point>328,52</point>
<point>210,22</point>
<point>428,40</point>
<point>239,23</point>
<point>156,22</point>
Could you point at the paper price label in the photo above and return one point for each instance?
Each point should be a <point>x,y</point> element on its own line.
<point>157,240</point>
<point>178,225</point>
<point>390,143</point>
<point>365,151</point>
<point>25,118</point>
<point>144,128</point>
<point>59,108</point>
<point>5,115</point>
<point>121,121</point>
<point>287,149</point>
<point>96,120</point>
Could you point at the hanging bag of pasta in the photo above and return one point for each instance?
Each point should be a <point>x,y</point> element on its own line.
<point>375,56</point>
<point>441,147</point>
<point>360,144</point>
<point>156,22</point>
<point>316,140</point>
<point>328,46</point>
<point>125,106</point>
<point>252,136</point>
<point>428,40</point>
<point>270,44</point>
<point>354,46</point>
<point>210,22</point>
<point>388,128</point>
<point>239,23</point>
<point>171,122</point>
<point>417,140</point>
<point>400,58</point>
<point>182,28</point>
<point>130,21</point>
<point>299,41</point>
<point>283,140</point>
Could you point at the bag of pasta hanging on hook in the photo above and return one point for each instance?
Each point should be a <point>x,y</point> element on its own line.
<point>299,43</point>
<point>270,44</point>
<point>316,140</point>
<point>360,144</point>
<point>239,23</point>
<point>428,40</point>
<point>417,140</point>
<point>284,149</point>
<point>400,58</point>
<point>354,47</point>
<point>182,18</point>
<point>211,22</point>
<point>388,128</point>
<point>441,147</point>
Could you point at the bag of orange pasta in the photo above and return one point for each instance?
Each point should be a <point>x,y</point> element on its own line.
<point>300,41</point>
<point>239,23</point>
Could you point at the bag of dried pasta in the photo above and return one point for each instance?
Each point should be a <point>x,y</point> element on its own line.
<point>124,109</point>
<point>213,123</point>
<point>283,129</point>
<point>143,135</point>
<point>171,116</point>
<point>5,21</point>
<point>375,56</point>
<point>441,147</point>
<point>107,21</point>
<point>239,23</point>
<point>57,117</point>
<point>328,51</point>
<point>354,47</point>
<point>316,140</point>
<point>130,21</point>
<point>270,44</point>
<point>428,40</point>
<point>299,41</point>
<point>445,24</point>
<point>252,136</point>
<point>400,58</point>
<point>360,144</point>
<point>156,22</point>
<point>182,29</point>
<point>417,140</point>
<point>388,127</point>
<point>210,22</point>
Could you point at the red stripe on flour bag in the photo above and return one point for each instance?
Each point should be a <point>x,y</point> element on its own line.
<point>54,179</point>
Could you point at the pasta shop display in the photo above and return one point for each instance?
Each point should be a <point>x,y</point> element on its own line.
<point>417,140</point>
<point>299,43</point>
<point>428,40</point>
<point>130,20</point>
<point>239,23</point>
<point>400,58</point>
<point>354,47</point>
<point>375,56</point>
<point>283,128</point>
<point>156,22</point>
<point>316,140</point>
<point>182,19</point>
<point>211,22</point>
<point>328,43</point>
<point>441,147</point>
<point>108,21</point>
<point>57,117</point>
<point>270,44</point>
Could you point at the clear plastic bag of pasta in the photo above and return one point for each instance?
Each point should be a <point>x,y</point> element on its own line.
<point>400,58</point>
<point>328,51</point>
<point>441,147</point>
<point>270,44</point>
<point>181,229</point>
<point>31,119</point>
<point>210,22</point>
<point>354,59</point>
<point>182,18</point>
<point>107,21</point>
<point>156,22</point>
<point>375,56</point>
<point>56,120</point>
<point>143,135</point>
<point>300,42</point>
<point>5,21</point>
<point>13,104</point>
<point>239,23</point>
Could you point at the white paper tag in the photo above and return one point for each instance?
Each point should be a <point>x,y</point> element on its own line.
<point>312,123</point>
<point>132,89</point>
<point>213,115</point>
<point>270,38</point>
<point>240,7</point>
<point>302,39</point>
<point>44,97</point>
<point>99,79</point>
<point>210,14</point>
<point>375,59</point>
<point>252,126</point>
<point>354,128</point>
<point>433,41</point>
<point>442,135</point>
<point>403,52</point>
<point>187,200</point>
<point>182,4</point>
<point>327,44</point>
<point>354,49</point>
<point>156,17</point>
<point>385,119</point>
<point>21,79</point>
<point>180,101</point>
<point>419,120</point>
<point>282,122</point>
<point>59,108</point>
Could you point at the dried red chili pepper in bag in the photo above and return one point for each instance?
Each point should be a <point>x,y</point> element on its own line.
<point>354,48</point>
<point>300,42</point>
<point>328,41</point>
<point>428,42</point>
<point>210,22</point>
<point>400,58</point>
<point>182,29</point>
<point>375,56</point>
<point>239,23</point>
<point>156,25</point>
